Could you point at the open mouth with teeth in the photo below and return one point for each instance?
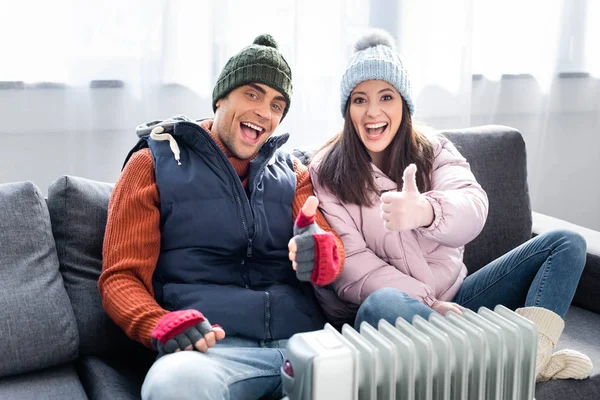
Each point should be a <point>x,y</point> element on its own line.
<point>251,132</point>
<point>375,131</point>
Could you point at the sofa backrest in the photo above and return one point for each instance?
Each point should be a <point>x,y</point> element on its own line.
<point>78,211</point>
<point>37,324</point>
<point>497,157</point>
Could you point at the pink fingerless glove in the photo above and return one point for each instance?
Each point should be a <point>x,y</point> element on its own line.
<point>317,258</point>
<point>178,330</point>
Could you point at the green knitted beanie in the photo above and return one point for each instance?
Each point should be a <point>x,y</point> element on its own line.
<point>261,62</point>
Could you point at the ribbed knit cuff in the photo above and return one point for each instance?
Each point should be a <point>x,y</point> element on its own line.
<point>302,221</point>
<point>548,323</point>
<point>177,322</point>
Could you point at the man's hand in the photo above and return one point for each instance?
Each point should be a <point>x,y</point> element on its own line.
<point>407,209</point>
<point>307,219</point>
<point>185,330</point>
<point>443,307</point>
<point>313,252</point>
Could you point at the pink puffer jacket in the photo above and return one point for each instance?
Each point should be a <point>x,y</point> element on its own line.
<point>425,263</point>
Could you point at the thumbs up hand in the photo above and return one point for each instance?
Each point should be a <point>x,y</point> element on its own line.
<point>407,209</point>
<point>313,252</point>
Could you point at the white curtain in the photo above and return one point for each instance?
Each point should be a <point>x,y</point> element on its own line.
<point>76,76</point>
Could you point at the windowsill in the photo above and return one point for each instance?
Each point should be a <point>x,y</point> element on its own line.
<point>118,84</point>
<point>95,84</point>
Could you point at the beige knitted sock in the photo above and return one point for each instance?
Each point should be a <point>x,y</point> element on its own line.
<point>549,326</point>
<point>563,364</point>
<point>567,364</point>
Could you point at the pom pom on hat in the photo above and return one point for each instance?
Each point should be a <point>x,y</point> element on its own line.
<point>266,40</point>
<point>375,37</point>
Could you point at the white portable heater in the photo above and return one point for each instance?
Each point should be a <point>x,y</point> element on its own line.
<point>485,355</point>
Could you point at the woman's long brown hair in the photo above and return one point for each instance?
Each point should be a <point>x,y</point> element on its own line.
<point>346,170</point>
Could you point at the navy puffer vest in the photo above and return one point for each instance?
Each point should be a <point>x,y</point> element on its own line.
<point>224,252</point>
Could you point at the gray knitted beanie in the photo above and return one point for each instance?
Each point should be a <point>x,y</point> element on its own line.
<point>376,58</point>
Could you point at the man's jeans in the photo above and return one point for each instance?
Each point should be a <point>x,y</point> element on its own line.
<point>235,368</point>
<point>543,272</point>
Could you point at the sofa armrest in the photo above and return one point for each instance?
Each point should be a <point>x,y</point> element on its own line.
<point>589,285</point>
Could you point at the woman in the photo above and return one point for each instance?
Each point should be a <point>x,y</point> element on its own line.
<point>405,203</point>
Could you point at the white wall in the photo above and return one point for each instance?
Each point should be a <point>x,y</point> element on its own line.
<point>46,133</point>
<point>562,133</point>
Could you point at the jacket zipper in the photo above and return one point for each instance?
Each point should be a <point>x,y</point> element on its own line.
<point>268,334</point>
<point>236,186</point>
<point>268,316</point>
<point>255,186</point>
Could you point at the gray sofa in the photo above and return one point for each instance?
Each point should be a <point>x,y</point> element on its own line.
<point>56,342</point>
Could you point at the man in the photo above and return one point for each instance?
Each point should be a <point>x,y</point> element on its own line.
<point>201,227</point>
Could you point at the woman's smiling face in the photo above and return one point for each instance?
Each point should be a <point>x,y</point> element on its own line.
<point>376,113</point>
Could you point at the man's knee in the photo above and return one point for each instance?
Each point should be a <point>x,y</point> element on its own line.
<point>185,375</point>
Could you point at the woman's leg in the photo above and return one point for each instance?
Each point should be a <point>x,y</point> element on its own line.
<point>543,272</point>
<point>389,304</point>
<point>541,276</point>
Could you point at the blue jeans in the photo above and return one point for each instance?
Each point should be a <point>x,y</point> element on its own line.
<point>235,368</point>
<point>543,272</point>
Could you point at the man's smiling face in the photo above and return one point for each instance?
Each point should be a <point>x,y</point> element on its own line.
<point>247,117</point>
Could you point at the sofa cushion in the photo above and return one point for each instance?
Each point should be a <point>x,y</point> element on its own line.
<point>586,295</point>
<point>49,384</point>
<point>37,325</point>
<point>78,210</point>
<point>116,377</point>
<point>498,161</point>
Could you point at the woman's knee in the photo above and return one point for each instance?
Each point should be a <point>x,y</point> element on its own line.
<point>384,297</point>
<point>576,241</point>
<point>571,242</point>
<point>389,304</point>
<point>184,375</point>
<point>567,237</point>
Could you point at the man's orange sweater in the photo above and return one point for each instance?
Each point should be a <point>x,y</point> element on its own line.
<point>132,241</point>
